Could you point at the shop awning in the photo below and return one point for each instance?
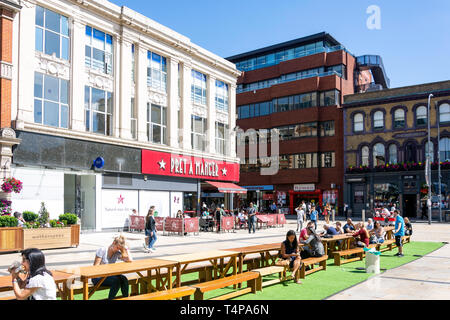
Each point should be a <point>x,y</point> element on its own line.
<point>227,187</point>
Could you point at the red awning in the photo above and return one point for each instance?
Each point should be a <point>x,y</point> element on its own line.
<point>227,187</point>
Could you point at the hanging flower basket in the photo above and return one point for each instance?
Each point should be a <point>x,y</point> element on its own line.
<point>11,184</point>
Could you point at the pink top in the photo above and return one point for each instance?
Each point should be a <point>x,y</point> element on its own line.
<point>304,234</point>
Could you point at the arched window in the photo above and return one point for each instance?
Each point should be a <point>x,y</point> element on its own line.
<point>378,120</point>
<point>365,156</point>
<point>393,158</point>
<point>444,113</point>
<point>429,148</point>
<point>421,116</point>
<point>444,147</point>
<point>358,122</point>
<point>410,152</point>
<point>399,118</point>
<point>379,155</point>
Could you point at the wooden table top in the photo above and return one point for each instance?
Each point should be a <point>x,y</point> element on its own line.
<point>337,237</point>
<point>105,270</point>
<point>201,256</point>
<point>257,248</point>
<point>59,276</point>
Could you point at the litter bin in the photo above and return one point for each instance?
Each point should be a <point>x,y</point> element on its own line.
<point>372,261</point>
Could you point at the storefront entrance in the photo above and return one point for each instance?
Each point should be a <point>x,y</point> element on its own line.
<point>79,198</point>
<point>297,197</point>
<point>410,205</point>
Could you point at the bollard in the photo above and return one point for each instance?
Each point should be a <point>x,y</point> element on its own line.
<point>334,212</point>
<point>363,215</point>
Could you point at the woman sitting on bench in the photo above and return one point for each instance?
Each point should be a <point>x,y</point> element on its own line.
<point>315,248</point>
<point>289,254</point>
<point>377,233</point>
<point>117,250</point>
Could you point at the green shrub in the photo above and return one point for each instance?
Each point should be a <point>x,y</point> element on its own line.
<point>68,219</point>
<point>56,223</point>
<point>30,216</point>
<point>8,221</point>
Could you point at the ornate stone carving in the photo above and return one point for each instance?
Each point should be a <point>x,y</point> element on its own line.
<point>52,66</point>
<point>199,110</point>
<point>222,116</point>
<point>7,133</point>
<point>100,81</point>
<point>157,97</point>
<point>6,70</point>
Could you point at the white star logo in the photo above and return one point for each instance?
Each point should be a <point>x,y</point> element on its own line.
<point>224,171</point>
<point>162,165</point>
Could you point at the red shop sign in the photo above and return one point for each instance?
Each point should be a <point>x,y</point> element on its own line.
<point>174,165</point>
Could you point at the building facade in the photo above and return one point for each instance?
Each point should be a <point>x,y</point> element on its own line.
<point>297,87</point>
<point>95,81</point>
<point>386,146</point>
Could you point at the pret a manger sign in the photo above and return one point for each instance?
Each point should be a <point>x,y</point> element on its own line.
<point>161,163</point>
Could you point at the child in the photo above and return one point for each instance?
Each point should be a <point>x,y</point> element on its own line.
<point>408,225</point>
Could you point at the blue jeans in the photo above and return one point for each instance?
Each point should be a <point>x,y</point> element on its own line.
<point>115,282</point>
<point>151,239</point>
<point>251,224</point>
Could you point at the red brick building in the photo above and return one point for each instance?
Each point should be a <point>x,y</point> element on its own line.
<point>298,87</point>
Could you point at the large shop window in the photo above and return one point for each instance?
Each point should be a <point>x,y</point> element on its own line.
<point>156,123</point>
<point>52,33</point>
<point>386,194</point>
<point>198,87</point>
<point>221,96</point>
<point>51,96</point>
<point>198,133</point>
<point>157,71</point>
<point>99,50</point>
<point>99,111</point>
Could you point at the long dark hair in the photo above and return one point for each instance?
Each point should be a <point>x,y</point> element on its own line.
<point>36,260</point>
<point>294,243</point>
<point>313,233</point>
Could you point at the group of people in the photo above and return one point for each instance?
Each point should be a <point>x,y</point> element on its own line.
<point>309,211</point>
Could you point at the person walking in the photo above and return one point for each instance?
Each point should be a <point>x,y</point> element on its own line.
<point>313,216</point>
<point>326,213</point>
<point>150,231</point>
<point>118,250</point>
<point>300,217</point>
<point>251,218</point>
<point>399,232</point>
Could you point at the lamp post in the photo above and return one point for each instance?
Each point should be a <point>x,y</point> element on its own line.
<point>428,164</point>
<point>439,160</point>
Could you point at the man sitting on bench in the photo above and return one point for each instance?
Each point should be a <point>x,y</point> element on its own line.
<point>363,236</point>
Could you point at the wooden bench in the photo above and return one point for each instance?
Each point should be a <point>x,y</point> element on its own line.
<point>386,245</point>
<point>181,292</point>
<point>133,280</point>
<point>346,253</point>
<point>8,298</point>
<point>406,239</point>
<point>250,277</point>
<point>268,271</point>
<point>322,261</point>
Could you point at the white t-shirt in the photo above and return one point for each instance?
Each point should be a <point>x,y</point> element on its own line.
<point>300,214</point>
<point>46,287</point>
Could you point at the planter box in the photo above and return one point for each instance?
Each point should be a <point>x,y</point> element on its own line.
<point>16,239</point>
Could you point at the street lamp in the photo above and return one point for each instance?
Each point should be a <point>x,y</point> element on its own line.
<point>428,164</point>
<point>439,160</point>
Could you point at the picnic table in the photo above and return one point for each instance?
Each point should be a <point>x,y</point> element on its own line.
<point>137,266</point>
<point>329,243</point>
<point>217,270</point>
<point>61,279</point>
<point>267,259</point>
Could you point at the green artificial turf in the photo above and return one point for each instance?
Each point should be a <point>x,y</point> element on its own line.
<point>322,284</point>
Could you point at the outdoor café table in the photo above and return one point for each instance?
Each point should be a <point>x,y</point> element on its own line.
<point>389,232</point>
<point>328,242</point>
<point>61,279</point>
<point>267,259</point>
<point>137,266</point>
<point>219,269</point>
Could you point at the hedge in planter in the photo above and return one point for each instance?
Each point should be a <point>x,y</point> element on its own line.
<point>30,216</point>
<point>8,221</point>
<point>68,219</point>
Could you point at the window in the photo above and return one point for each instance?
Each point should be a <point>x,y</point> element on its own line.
<point>198,87</point>
<point>378,120</point>
<point>329,98</point>
<point>156,71</point>
<point>393,154</point>
<point>358,122</point>
<point>156,123</point>
<point>307,129</point>
<point>421,116</point>
<point>133,63</point>
<point>444,147</point>
<point>365,156</point>
<point>379,157</point>
<point>411,152</point>
<point>444,113</point>
<point>327,129</point>
<point>133,116</point>
<point>98,106</point>
<point>221,96</point>
<point>198,133</point>
<point>429,150</point>
<point>99,50</point>
<point>52,33</point>
<point>399,118</point>
<point>51,101</point>
<point>221,140</point>
<point>327,160</point>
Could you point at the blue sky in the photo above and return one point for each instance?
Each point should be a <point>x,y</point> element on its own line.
<point>414,39</point>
